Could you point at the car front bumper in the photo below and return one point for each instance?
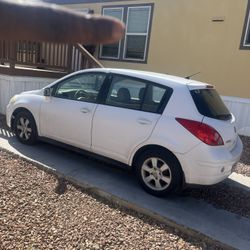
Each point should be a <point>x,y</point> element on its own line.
<point>206,165</point>
<point>9,111</point>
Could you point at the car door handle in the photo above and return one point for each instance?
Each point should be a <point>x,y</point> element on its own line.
<point>144,121</point>
<point>85,110</point>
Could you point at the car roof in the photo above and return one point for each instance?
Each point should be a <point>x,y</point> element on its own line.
<point>164,79</point>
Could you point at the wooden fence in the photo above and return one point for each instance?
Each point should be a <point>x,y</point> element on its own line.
<point>43,59</point>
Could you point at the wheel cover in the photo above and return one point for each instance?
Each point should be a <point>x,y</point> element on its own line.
<point>156,174</point>
<point>24,130</point>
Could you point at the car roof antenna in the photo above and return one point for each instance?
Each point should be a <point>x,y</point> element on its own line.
<point>188,77</point>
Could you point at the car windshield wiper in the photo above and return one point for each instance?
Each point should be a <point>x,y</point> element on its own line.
<point>223,116</point>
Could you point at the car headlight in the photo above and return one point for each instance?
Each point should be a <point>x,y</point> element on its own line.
<point>13,99</point>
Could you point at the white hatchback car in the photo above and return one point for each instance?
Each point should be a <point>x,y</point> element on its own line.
<point>172,130</point>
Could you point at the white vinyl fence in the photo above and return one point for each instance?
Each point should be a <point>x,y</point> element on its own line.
<point>11,85</point>
<point>240,107</point>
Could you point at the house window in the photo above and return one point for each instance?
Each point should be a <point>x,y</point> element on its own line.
<point>112,51</point>
<point>135,43</point>
<point>136,33</point>
<point>246,32</point>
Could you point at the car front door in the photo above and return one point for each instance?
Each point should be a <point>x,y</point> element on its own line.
<point>127,116</point>
<point>67,115</point>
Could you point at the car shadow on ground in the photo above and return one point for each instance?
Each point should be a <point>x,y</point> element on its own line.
<point>52,155</point>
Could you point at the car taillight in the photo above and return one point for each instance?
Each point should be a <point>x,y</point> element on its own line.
<point>202,131</point>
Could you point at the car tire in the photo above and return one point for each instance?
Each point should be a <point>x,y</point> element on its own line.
<point>25,128</point>
<point>158,172</point>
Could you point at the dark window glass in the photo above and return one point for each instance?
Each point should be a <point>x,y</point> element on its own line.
<point>110,50</point>
<point>135,47</point>
<point>248,37</point>
<point>209,103</point>
<point>131,93</point>
<point>126,92</point>
<point>246,32</point>
<point>247,42</point>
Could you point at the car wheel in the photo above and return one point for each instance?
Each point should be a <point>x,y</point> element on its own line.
<point>159,172</point>
<point>25,128</point>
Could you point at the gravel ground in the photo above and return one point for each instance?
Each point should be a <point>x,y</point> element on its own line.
<point>223,196</point>
<point>243,167</point>
<point>37,213</point>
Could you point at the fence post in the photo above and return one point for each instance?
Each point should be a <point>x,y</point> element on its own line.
<point>69,58</point>
<point>13,55</point>
<point>91,59</point>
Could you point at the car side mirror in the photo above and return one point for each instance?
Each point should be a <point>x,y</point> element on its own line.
<point>47,92</point>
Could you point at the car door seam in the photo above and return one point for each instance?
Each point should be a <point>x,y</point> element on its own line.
<point>92,127</point>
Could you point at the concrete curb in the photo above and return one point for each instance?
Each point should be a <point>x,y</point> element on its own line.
<point>116,201</point>
<point>239,181</point>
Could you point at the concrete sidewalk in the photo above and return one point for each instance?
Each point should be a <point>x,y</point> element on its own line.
<point>120,185</point>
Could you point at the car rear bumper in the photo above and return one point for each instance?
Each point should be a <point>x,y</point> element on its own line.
<point>206,165</point>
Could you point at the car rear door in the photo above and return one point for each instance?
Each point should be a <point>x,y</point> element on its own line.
<point>127,116</point>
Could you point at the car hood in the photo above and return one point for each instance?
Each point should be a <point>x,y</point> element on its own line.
<point>32,92</point>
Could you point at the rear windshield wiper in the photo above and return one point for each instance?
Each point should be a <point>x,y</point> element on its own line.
<point>223,116</point>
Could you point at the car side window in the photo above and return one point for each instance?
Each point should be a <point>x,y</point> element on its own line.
<point>83,87</point>
<point>132,93</point>
<point>126,92</point>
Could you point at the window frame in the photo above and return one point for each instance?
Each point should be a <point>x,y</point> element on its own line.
<point>246,30</point>
<point>119,47</point>
<point>166,97</point>
<point>136,34</point>
<point>122,47</point>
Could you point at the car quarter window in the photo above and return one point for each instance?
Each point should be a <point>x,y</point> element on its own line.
<point>82,87</point>
<point>138,94</point>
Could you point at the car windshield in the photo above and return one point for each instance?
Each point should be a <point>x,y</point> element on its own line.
<point>210,104</point>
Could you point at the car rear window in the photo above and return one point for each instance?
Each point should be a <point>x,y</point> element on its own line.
<point>210,104</point>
